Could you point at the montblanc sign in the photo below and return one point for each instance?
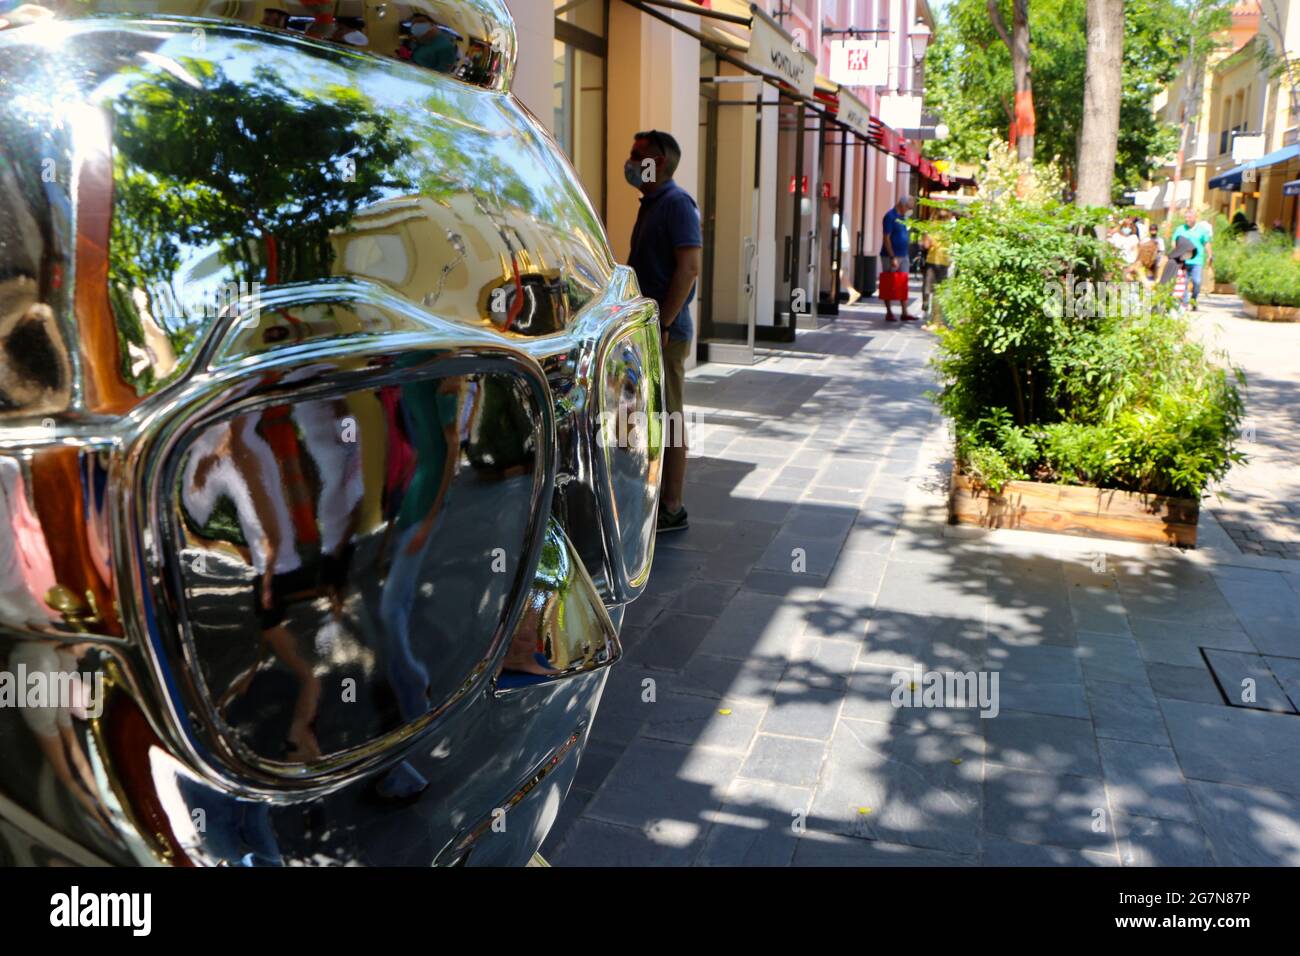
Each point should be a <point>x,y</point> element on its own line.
<point>775,52</point>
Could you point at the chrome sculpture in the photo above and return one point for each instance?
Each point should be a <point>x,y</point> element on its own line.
<point>329,446</point>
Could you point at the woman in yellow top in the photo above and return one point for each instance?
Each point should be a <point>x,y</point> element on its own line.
<point>936,263</point>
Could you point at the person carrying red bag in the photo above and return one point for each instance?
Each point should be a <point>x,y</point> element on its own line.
<point>894,265</point>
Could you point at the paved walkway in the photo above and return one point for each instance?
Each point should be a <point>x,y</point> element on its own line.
<point>751,720</point>
<point>1260,508</point>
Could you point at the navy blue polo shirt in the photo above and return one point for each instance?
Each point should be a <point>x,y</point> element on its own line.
<point>896,229</point>
<point>667,221</point>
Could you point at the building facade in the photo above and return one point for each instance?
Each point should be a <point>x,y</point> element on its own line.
<point>791,170</point>
<point>1242,114</point>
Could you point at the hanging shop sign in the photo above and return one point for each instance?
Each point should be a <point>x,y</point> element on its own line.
<point>860,62</point>
<point>854,114</point>
<point>1247,146</point>
<point>772,50</point>
<point>901,110</point>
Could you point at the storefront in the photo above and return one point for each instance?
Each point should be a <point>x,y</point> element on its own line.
<point>757,156</point>
<point>579,91</point>
<point>776,156</point>
<point>1256,189</point>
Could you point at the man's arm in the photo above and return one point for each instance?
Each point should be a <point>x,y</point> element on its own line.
<point>685,272</point>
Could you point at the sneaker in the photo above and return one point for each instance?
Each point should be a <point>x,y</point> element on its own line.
<point>909,318</point>
<point>890,318</point>
<point>674,521</point>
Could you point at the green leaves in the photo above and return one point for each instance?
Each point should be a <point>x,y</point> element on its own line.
<point>1264,272</point>
<point>969,77</point>
<point>1081,396</point>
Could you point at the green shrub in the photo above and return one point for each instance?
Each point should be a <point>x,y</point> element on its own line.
<point>1089,396</point>
<point>1265,273</point>
<point>1227,253</point>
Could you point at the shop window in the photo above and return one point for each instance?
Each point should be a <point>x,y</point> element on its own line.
<point>579,91</point>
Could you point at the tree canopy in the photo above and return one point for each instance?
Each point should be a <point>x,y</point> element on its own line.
<point>971,88</point>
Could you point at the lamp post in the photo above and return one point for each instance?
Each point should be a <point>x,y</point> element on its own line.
<point>920,37</point>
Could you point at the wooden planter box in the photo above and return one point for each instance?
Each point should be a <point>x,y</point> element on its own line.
<point>1074,509</point>
<point>1271,313</point>
<point>1225,288</point>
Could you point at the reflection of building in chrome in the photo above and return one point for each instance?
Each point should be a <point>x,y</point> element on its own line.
<point>512,270</point>
<point>463,38</point>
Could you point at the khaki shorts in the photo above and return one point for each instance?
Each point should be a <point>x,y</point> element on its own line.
<point>675,353</point>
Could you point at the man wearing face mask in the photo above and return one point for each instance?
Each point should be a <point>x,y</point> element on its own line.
<point>350,31</point>
<point>432,48</point>
<point>665,254</point>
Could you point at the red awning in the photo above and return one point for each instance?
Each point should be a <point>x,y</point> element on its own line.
<point>892,142</point>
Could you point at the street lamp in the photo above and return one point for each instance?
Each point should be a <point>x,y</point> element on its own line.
<point>920,37</point>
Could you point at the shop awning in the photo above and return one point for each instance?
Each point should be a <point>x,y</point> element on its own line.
<point>770,52</point>
<point>745,36</point>
<point>1230,180</point>
<point>1277,156</point>
<point>891,141</point>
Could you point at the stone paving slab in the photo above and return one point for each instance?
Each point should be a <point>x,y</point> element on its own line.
<point>1235,745</point>
<point>1050,809</point>
<point>919,790</point>
<point>1248,681</point>
<point>1145,780</point>
<point>819,572</point>
<point>756,825</point>
<point>1249,826</point>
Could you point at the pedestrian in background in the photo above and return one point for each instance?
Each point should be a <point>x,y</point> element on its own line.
<point>1200,235</point>
<point>1124,238</point>
<point>894,259</point>
<point>937,262</point>
<point>665,255</point>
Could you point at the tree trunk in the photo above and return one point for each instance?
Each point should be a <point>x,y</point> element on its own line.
<point>1102,88</point>
<point>1017,43</point>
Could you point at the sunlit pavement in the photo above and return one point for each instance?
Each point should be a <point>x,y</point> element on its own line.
<point>1260,507</point>
<point>751,720</point>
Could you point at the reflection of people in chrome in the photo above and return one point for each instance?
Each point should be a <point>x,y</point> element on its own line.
<point>431,46</point>
<point>276,18</point>
<point>26,569</point>
<point>430,416</point>
<point>430,411</point>
<point>51,721</point>
<point>350,31</point>
<point>333,441</point>
<point>233,460</point>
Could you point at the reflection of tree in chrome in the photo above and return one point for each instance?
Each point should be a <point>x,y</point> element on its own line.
<point>452,151</point>
<point>260,170</point>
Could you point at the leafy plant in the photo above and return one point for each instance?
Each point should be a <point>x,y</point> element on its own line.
<point>1045,379</point>
<point>1265,272</point>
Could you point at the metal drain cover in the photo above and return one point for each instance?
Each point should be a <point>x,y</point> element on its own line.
<point>1248,680</point>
